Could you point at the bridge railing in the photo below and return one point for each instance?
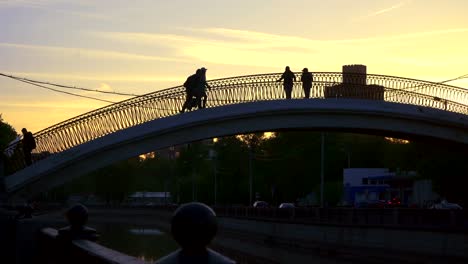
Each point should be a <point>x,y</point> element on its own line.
<point>52,250</point>
<point>168,102</point>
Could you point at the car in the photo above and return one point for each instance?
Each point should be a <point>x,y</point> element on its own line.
<point>393,203</point>
<point>445,205</point>
<point>260,204</point>
<point>286,205</point>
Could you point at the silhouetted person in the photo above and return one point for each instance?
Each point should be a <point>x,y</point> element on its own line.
<point>200,91</point>
<point>306,79</point>
<point>193,226</point>
<point>288,78</point>
<point>190,86</point>
<point>28,145</point>
<point>77,217</point>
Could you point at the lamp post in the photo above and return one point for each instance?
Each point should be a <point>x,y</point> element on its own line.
<point>193,185</point>
<point>250,176</point>
<point>322,162</point>
<point>212,157</point>
<point>171,171</point>
<point>348,155</point>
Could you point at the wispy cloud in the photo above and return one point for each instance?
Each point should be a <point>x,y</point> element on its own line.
<point>78,52</point>
<point>101,77</point>
<point>253,48</point>
<point>256,40</point>
<point>388,9</point>
<point>47,105</point>
<point>51,5</point>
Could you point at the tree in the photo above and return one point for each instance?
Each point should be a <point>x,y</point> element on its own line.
<point>7,134</point>
<point>115,182</point>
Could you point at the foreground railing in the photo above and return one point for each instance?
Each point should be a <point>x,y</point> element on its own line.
<point>52,250</point>
<point>168,102</point>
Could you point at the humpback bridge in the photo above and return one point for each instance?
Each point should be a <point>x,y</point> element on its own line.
<point>357,100</point>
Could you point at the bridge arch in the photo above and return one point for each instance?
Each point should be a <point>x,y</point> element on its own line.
<point>349,115</point>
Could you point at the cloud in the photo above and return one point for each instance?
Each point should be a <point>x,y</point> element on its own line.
<point>78,52</point>
<point>254,40</point>
<point>100,77</point>
<point>252,48</point>
<point>388,9</point>
<point>282,40</point>
<point>105,87</point>
<point>52,104</point>
<point>243,47</point>
<point>51,6</point>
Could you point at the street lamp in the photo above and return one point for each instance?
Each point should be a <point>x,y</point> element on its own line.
<point>322,162</point>
<point>250,175</point>
<point>348,155</point>
<point>212,156</point>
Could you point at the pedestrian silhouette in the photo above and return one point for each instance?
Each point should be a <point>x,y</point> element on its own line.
<point>201,89</point>
<point>288,78</point>
<point>193,226</point>
<point>29,144</point>
<point>306,79</point>
<point>190,87</point>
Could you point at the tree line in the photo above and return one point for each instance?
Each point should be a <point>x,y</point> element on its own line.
<point>284,168</point>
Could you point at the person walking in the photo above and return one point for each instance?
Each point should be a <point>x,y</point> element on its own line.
<point>306,79</point>
<point>201,89</point>
<point>190,86</point>
<point>29,144</point>
<point>288,78</point>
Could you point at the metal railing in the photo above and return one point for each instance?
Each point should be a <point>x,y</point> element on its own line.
<point>411,218</point>
<point>234,90</point>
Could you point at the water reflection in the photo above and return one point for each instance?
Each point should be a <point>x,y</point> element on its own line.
<point>146,243</point>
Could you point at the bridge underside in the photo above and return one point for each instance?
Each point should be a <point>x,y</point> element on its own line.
<point>362,116</point>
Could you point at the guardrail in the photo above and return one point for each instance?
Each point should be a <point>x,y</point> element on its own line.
<point>436,220</point>
<point>405,218</point>
<point>51,251</point>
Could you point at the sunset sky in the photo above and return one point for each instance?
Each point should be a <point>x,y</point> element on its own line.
<point>146,45</point>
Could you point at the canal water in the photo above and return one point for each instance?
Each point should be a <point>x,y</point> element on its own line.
<point>150,243</point>
<point>147,243</point>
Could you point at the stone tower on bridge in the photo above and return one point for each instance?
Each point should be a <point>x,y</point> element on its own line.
<point>355,74</point>
<point>354,85</point>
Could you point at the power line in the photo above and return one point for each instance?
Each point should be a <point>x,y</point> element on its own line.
<point>426,85</point>
<point>66,86</point>
<point>89,97</point>
<point>68,93</point>
<point>35,83</point>
<point>435,83</point>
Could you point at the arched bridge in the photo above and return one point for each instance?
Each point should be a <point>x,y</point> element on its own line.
<point>355,102</point>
